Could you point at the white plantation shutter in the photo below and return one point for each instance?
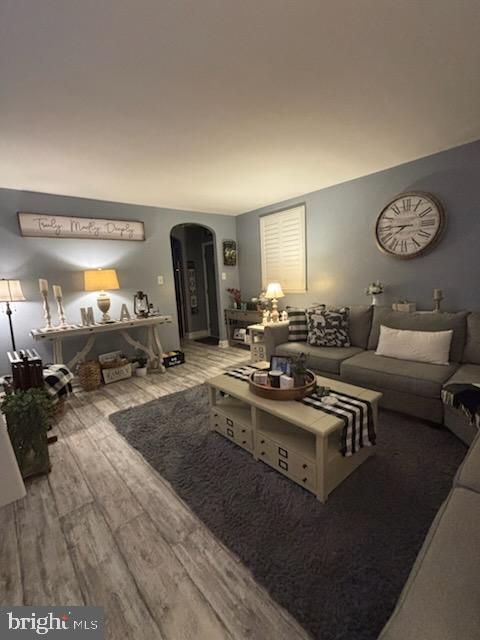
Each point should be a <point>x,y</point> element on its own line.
<point>282,244</point>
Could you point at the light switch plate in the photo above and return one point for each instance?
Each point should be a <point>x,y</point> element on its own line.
<point>160,279</point>
<point>224,275</point>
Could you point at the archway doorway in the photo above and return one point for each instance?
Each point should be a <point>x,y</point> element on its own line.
<point>195,272</point>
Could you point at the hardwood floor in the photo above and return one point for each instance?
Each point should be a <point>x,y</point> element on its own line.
<point>105,529</point>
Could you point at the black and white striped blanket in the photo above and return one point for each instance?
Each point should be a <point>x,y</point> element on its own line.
<point>356,414</point>
<point>465,398</point>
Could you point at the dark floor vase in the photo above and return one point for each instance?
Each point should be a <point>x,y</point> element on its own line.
<point>27,415</point>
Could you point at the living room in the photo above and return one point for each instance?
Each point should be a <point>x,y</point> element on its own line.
<point>240,328</point>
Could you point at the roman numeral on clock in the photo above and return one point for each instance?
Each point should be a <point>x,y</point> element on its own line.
<point>425,212</point>
<point>424,234</point>
<point>395,208</point>
<point>417,244</point>
<point>429,222</point>
<point>403,246</point>
<point>386,237</point>
<point>407,204</point>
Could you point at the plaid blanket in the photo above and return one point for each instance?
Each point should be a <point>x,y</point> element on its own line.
<point>58,381</point>
<point>465,398</point>
<point>356,414</point>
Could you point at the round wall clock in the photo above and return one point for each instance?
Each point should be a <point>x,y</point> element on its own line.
<point>410,225</point>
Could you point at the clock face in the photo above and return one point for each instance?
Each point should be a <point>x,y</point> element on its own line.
<point>410,225</point>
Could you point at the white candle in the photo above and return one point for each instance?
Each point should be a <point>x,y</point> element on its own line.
<point>43,284</point>
<point>437,294</point>
<point>57,291</point>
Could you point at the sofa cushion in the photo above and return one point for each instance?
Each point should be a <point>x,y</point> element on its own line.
<point>417,346</point>
<point>468,474</point>
<point>466,373</point>
<point>328,327</point>
<point>326,359</point>
<point>471,352</point>
<point>360,324</point>
<point>418,378</point>
<point>440,600</point>
<point>422,322</point>
<point>297,324</point>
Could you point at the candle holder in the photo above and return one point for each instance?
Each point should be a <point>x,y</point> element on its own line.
<point>61,314</point>
<point>437,299</point>
<point>48,316</point>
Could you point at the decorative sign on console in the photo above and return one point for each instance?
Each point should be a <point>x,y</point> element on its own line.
<point>45,225</point>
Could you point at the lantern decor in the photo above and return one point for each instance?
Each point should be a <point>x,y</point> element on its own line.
<point>141,305</point>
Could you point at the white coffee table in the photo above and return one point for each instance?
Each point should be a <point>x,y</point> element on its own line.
<point>299,441</point>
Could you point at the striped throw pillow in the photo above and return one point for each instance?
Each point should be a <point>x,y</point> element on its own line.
<point>297,327</point>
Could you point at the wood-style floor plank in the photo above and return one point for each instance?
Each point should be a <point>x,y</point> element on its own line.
<point>48,574</point>
<point>106,529</point>
<point>105,579</point>
<point>178,607</point>
<point>11,590</point>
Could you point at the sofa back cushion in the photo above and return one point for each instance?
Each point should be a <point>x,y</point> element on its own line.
<point>471,352</point>
<point>419,321</point>
<point>360,324</point>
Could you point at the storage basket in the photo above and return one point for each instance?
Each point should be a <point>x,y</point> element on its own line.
<point>90,375</point>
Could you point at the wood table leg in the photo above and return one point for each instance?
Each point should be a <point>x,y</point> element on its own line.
<point>57,351</point>
<point>158,346</point>
<point>81,355</point>
<point>140,346</point>
<point>322,461</point>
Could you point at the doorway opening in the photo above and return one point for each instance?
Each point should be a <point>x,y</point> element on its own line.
<point>195,273</point>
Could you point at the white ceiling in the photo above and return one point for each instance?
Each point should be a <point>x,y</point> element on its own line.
<point>228,105</point>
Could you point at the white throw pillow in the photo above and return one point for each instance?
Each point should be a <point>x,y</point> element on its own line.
<point>419,346</point>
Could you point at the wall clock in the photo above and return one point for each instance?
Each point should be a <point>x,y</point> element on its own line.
<point>410,225</point>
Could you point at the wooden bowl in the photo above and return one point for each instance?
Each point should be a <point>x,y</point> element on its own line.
<point>272,393</point>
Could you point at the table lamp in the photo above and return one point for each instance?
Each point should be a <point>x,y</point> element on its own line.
<point>11,291</point>
<point>101,280</point>
<point>274,291</point>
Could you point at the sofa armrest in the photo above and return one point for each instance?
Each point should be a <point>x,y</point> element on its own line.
<point>274,335</point>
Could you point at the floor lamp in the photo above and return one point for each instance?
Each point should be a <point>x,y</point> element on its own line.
<point>11,291</point>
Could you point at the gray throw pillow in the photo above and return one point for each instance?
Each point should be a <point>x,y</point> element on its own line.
<point>328,327</point>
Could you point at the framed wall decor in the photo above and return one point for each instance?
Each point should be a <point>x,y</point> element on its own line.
<point>230,253</point>
<point>46,225</point>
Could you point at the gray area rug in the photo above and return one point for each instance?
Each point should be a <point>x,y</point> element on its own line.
<point>337,568</point>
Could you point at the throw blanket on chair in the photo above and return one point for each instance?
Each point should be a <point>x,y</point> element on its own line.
<point>58,381</point>
<point>356,415</point>
<point>465,398</point>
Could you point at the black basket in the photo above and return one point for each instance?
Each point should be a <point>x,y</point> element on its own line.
<point>176,357</point>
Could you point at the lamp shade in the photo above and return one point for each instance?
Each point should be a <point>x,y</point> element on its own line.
<point>274,291</point>
<point>11,291</point>
<point>100,279</point>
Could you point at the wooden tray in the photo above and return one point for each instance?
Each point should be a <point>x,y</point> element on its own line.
<point>272,393</point>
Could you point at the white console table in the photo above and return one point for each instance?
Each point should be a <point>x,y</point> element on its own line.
<point>153,347</point>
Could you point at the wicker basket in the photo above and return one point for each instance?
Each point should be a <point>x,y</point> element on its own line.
<point>90,375</point>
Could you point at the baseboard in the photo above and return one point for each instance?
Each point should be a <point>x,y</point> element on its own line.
<point>223,344</point>
<point>193,335</point>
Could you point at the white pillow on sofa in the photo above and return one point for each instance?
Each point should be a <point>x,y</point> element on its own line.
<point>419,346</point>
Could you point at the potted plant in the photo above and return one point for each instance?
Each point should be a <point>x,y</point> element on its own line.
<point>27,414</point>
<point>375,289</point>
<point>142,361</point>
<point>299,370</point>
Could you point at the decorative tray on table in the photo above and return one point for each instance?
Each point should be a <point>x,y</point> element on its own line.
<point>274,393</point>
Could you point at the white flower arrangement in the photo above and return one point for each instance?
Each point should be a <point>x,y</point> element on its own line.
<point>375,288</point>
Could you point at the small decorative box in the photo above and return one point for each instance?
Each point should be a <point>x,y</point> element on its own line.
<point>260,377</point>
<point>286,382</point>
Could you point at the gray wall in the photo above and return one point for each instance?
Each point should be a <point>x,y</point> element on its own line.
<point>62,261</point>
<point>342,257</point>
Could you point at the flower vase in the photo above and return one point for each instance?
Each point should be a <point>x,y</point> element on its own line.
<point>375,300</point>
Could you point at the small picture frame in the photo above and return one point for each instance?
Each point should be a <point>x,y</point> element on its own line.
<point>229,253</point>
<point>281,363</point>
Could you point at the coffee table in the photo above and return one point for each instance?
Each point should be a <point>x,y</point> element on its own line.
<point>299,441</point>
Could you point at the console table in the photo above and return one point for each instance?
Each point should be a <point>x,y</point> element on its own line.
<point>153,347</point>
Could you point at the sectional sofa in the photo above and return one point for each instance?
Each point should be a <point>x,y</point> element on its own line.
<point>441,599</point>
<point>410,387</point>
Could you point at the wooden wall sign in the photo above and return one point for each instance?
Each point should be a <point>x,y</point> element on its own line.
<point>45,225</point>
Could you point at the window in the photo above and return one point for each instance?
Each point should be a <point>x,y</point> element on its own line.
<point>282,246</point>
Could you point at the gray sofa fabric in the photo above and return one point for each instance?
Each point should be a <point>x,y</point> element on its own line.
<point>417,378</point>
<point>459,424</point>
<point>468,474</point>
<point>471,353</point>
<point>360,322</point>
<point>324,359</point>
<point>420,321</point>
<point>441,599</point>
<point>275,335</point>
